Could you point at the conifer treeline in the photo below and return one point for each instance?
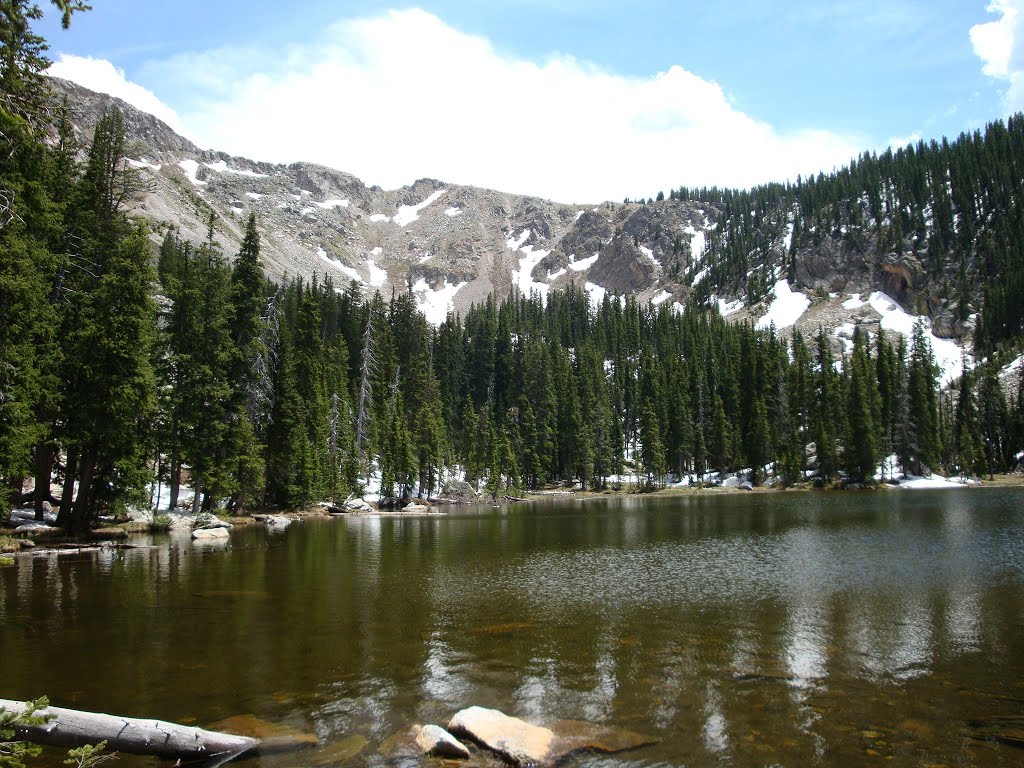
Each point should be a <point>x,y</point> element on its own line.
<point>955,206</point>
<point>114,375</point>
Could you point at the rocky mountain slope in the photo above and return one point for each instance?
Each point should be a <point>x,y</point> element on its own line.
<point>453,245</point>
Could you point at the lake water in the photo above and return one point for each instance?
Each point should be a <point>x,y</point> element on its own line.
<point>739,629</point>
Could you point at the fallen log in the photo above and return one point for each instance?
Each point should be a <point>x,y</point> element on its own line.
<point>74,728</point>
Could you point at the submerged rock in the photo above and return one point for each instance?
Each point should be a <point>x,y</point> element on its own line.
<point>435,741</point>
<point>273,737</point>
<point>515,740</point>
<point>338,752</point>
<point>578,736</point>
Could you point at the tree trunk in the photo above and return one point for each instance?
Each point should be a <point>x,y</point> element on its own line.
<point>175,480</point>
<point>197,487</point>
<point>73,728</point>
<point>79,522</point>
<point>44,473</point>
<point>67,494</point>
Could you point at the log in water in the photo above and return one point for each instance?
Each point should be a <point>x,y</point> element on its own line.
<point>74,728</point>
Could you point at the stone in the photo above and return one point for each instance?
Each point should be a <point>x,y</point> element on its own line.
<point>273,737</point>
<point>357,505</point>
<point>578,736</point>
<point>413,509</point>
<point>458,489</point>
<point>211,533</point>
<point>337,752</point>
<point>36,527</point>
<point>514,740</point>
<point>435,741</point>
<point>746,485</point>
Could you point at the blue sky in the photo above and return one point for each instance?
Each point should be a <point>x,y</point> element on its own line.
<point>501,93</point>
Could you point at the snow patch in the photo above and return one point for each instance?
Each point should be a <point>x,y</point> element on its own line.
<point>333,203</point>
<point>649,254</point>
<point>726,308</point>
<point>661,298</point>
<point>377,251</point>
<point>345,270</point>
<point>948,356</point>
<point>557,274</point>
<point>222,167</point>
<point>435,304</point>
<point>253,195</point>
<point>379,217</point>
<point>582,264</point>
<point>407,214</point>
<point>378,276</point>
<point>143,163</point>
<point>595,293</point>
<point>854,302</point>
<point>699,276</point>
<point>514,244</point>
<point>453,211</point>
<point>191,168</point>
<point>786,308</point>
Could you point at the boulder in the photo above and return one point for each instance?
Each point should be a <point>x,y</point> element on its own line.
<point>357,505</point>
<point>36,527</point>
<point>746,485</point>
<point>458,489</point>
<point>435,741</point>
<point>211,533</point>
<point>413,509</point>
<point>514,740</point>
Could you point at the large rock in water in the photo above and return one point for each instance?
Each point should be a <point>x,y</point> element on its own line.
<point>515,740</point>
<point>435,741</point>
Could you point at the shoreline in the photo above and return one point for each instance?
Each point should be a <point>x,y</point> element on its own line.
<point>114,536</point>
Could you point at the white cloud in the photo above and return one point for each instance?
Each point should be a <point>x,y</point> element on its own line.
<point>400,96</point>
<point>100,75</point>
<point>898,142</point>
<point>998,45</point>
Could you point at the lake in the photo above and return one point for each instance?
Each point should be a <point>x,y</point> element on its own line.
<point>739,629</point>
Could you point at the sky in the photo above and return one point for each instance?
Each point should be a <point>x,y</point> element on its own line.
<point>576,100</point>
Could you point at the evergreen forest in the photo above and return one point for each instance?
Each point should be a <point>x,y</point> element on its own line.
<point>124,366</point>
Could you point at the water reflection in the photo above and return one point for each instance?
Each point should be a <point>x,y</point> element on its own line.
<point>753,630</point>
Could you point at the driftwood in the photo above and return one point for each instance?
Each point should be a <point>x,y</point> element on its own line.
<point>74,728</point>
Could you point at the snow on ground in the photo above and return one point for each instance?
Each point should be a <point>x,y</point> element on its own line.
<point>678,308</point>
<point>333,203</point>
<point>253,195</point>
<point>698,241</point>
<point>436,304</point>
<point>378,276</point>
<point>453,211</point>
<point>523,277</point>
<point>649,254</point>
<point>407,214</point>
<point>845,334</point>
<point>699,276</point>
<point>424,258</point>
<point>379,217</point>
<point>854,302</point>
<point>726,308</point>
<point>579,213</point>
<point>556,274</point>
<point>948,356</point>
<point>582,264</point>
<point>191,168</point>
<point>514,244</point>
<point>926,483</point>
<point>222,167</point>
<point>787,239</point>
<point>377,251</point>
<point>346,270</point>
<point>143,163</point>
<point>786,308</point>
<point>595,293</point>
<point>1012,370</point>
<point>661,298</point>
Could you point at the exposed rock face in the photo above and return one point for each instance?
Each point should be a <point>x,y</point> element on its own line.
<point>453,246</point>
<point>515,740</point>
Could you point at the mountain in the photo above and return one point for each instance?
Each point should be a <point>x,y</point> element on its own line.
<point>869,244</point>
